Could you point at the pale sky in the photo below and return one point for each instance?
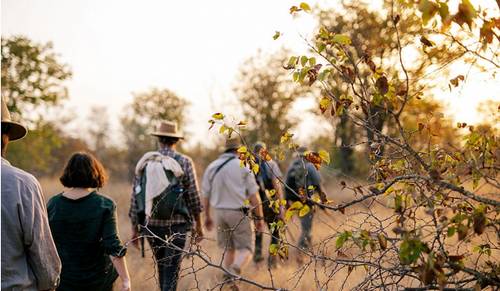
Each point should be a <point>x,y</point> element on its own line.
<point>194,48</point>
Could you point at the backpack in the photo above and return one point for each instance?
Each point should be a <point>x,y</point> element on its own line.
<point>168,203</point>
<point>264,179</point>
<point>296,179</point>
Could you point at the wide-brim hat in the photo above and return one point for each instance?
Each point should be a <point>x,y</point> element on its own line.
<point>167,128</point>
<point>14,130</point>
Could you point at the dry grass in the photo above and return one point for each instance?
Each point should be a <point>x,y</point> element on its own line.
<point>289,274</point>
<point>142,269</point>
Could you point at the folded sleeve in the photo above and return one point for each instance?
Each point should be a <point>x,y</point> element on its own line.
<point>133,203</point>
<point>41,251</point>
<point>111,242</point>
<point>193,200</point>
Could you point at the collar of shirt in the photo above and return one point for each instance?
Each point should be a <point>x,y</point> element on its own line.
<point>4,161</point>
<point>227,155</point>
<point>166,151</point>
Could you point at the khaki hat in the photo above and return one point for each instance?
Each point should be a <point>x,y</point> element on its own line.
<point>167,128</point>
<point>14,130</point>
<point>233,143</point>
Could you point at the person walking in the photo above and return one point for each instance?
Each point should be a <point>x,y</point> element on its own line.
<point>83,224</point>
<point>29,256</point>
<point>269,190</point>
<point>165,203</point>
<point>225,188</point>
<point>303,177</point>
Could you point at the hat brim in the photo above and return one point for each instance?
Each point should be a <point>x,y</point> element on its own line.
<point>180,136</point>
<point>16,130</point>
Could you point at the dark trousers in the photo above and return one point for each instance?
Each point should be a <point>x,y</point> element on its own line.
<point>168,256</point>
<point>269,218</point>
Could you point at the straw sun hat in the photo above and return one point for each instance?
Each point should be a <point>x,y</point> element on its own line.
<point>167,128</point>
<point>14,130</point>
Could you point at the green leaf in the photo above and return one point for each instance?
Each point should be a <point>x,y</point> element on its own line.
<point>451,231</point>
<point>342,238</point>
<point>303,60</point>
<point>341,39</point>
<point>276,35</point>
<point>312,61</point>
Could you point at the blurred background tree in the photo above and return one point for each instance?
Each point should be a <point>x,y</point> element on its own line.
<point>373,38</point>
<point>143,114</point>
<point>32,76</point>
<point>266,94</point>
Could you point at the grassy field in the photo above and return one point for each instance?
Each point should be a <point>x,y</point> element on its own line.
<point>142,269</point>
<point>289,274</point>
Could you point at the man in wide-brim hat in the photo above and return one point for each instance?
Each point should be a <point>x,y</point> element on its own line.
<point>29,256</point>
<point>168,258</point>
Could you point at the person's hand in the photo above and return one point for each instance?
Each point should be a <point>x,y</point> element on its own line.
<point>259,225</point>
<point>209,224</point>
<point>198,236</point>
<point>125,286</point>
<point>135,237</point>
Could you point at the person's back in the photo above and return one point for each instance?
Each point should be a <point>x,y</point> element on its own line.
<point>303,180</point>
<point>231,183</point>
<point>83,245</point>
<point>29,259</point>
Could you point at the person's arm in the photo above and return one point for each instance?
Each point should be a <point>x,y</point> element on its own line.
<point>253,189</point>
<point>193,200</point>
<point>208,218</point>
<point>256,204</point>
<point>38,242</point>
<point>205,192</point>
<point>113,247</point>
<point>120,265</point>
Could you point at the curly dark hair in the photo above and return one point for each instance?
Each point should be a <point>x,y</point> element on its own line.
<point>83,170</point>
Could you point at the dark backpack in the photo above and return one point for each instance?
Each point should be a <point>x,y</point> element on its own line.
<point>264,179</point>
<point>296,179</point>
<point>168,203</point>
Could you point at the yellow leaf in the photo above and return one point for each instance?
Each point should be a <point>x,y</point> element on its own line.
<point>324,104</point>
<point>296,205</point>
<point>325,156</point>
<point>341,39</point>
<point>242,149</point>
<point>222,129</point>
<point>273,249</point>
<point>289,214</point>
<point>283,202</point>
<point>305,7</point>
<point>242,123</point>
<point>304,210</point>
<point>255,168</point>
<point>286,137</point>
<point>316,198</point>
<point>246,202</point>
<point>218,116</point>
